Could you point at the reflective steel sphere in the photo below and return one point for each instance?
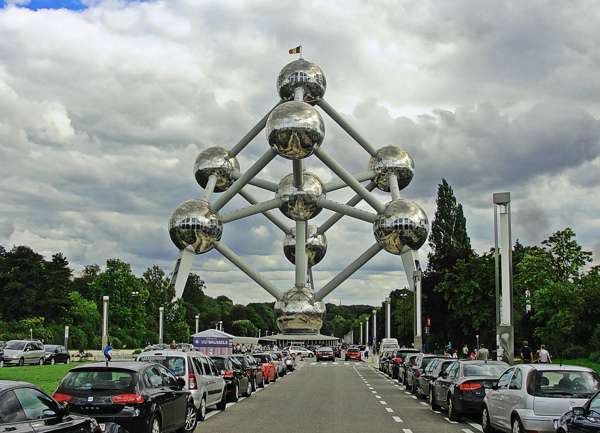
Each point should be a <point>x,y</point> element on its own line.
<point>195,226</point>
<point>301,73</point>
<point>403,225</point>
<point>217,161</point>
<point>300,205</point>
<point>295,130</point>
<point>299,313</point>
<point>316,245</point>
<point>392,160</point>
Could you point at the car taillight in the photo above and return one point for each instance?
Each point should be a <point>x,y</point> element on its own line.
<point>469,386</point>
<point>397,360</point>
<point>62,398</point>
<point>127,399</point>
<point>192,381</point>
<point>228,373</point>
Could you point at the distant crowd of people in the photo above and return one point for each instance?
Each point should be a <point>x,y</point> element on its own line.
<point>542,355</point>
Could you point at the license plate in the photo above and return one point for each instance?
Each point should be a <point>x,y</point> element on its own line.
<point>102,427</point>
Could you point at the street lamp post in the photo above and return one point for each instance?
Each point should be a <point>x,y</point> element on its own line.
<point>361,341</point>
<point>161,311</point>
<point>197,323</point>
<point>367,332</point>
<point>104,321</point>
<point>388,318</point>
<point>374,330</point>
<point>418,341</point>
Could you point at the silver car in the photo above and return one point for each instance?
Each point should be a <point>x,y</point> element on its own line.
<point>21,352</point>
<point>201,377</point>
<point>530,397</point>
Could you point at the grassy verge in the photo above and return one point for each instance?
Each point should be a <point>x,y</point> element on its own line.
<point>46,377</point>
<point>583,362</point>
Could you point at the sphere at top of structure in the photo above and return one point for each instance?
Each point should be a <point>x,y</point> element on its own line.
<point>300,204</point>
<point>195,226</point>
<point>301,73</point>
<point>316,245</point>
<point>298,312</point>
<point>403,225</point>
<point>295,129</point>
<point>216,161</point>
<point>392,160</point>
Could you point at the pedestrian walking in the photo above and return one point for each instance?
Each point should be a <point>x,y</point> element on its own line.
<point>107,352</point>
<point>483,354</point>
<point>525,352</point>
<point>473,356</point>
<point>465,351</point>
<point>455,354</point>
<point>544,356</point>
<point>173,344</point>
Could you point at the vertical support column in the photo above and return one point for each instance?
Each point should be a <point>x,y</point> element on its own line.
<point>300,254</point>
<point>388,317</point>
<point>104,321</point>
<point>197,323</point>
<point>161,312</point>
<point>374,331</point>
<point>367,341</point>
<point>418,319</point>
<point>67,337</point>
<point>361,341</point>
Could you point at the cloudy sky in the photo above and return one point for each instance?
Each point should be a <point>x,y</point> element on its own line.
<point>104,106</point>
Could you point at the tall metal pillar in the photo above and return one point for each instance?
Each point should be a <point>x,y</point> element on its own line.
<point>367,341</point>
<point>104,321</point>
<point>388,317</point>
<point>197,323</point>
<point>161,312</point>
<point>418,342</point>
<point>374,330</point>
<point>505,335</point>
<point>361,341</point>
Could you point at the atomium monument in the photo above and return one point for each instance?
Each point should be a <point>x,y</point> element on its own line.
<point>295,130</point>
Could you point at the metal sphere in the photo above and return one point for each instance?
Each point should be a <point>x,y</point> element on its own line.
<point>316,245</point>
<point>295,130</point>
<point>392,160</point>
<point>403,225</point>
<point>301,73</point>
<point>300,205</point>
<point>299,313</point>
<point>217,161</point>
<point>195,226</point>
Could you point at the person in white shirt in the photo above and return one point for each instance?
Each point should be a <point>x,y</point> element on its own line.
<point>544,356</point>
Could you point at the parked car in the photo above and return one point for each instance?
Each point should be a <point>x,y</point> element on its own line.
<point>253,369</point>
<point>584,419</point>
<point>414,372</point>
<point>462,387</point>
<point>431,373</point>
<point>324,353</point>
<point>268,366</point>
<point>23,404</point>
<point>280,366</point>
<point>290,362</point>
<point>235,376</point>
<point>389,344</point>
<point>407,363</point>
<point>396,359</point>
<point>300,351</point>
<point>353,353</point>
<point>139,396</point>
<point>337,351</point>
<point>23,352</point>
<point>2,344</point>
<point>383,360</point>
<point>529,397</point>
<point>56,354</point>
<point>201,377</point>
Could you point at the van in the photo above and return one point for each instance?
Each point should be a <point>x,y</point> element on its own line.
<point>23,352</point>
<point>388,344</point>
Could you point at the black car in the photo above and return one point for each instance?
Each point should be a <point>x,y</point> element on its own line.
<point>395,360</point>
<point>337,351</point>
<point>252,369</point>
<point>24,408</point>
<point>139,396</point>
<point>324,353</point>
<point>406,364</point>
<point>413,373</point>
<point>430,374</point>
<point>584,419</point>
<point>234,375</point>
<point>461,388</point>
<point>56,354</point>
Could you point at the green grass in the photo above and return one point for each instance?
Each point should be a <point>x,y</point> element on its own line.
<point>583,362</point>
<point>46,377</point>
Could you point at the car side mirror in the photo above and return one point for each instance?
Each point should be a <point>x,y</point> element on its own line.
<point>495,386</point>
<point>579,411</point>
<point>180,383</point>
<point>62,410</point>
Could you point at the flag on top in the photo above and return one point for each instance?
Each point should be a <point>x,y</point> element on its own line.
<point>297,50</point>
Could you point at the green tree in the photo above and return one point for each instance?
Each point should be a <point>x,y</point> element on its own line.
<point>83,318</point>
<point>243,328</point>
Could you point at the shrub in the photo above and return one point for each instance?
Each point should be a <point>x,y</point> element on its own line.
<point>573,352</point>
<point>137,351</point>
<point>595,356</point>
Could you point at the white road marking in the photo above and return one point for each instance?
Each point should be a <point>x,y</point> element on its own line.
<point>475,426</point>
<point>383,402</point>
<point>377,396</point>
<point>209,414</point>
<point>397,419</point>
<point>414,397</point>
<point>389,409</point>
<point>423,403</point>
<point>467,430</point>
<point>406,392</point>
<point>374,392</point>
<point>406,430</point>
<point>451,422</point>
<point>313,363</point>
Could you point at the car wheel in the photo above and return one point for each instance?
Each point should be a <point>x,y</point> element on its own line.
<point>222,405</point>
<point>262,382</point>
<point>52,361</point>
<point>254,384</point>
<point>452,414</point>
<point>21,362</point>
<point>201,411</point>
<point>248,392</point>
<point>235,395</point>
<point>432,401</point>
<point>41,361</point>
<point>517,426</point>
<point>1,363</point>
<point>191,416</point>
<point>155,424</point>
<point>485,421</point>
<point>275,377</point>
<point>68,361</point>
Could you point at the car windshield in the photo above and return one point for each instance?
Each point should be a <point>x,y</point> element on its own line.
<point>175,364</point>
<point>219,363</point>
<point>263,358</point>
<point>275,356</point>
<point>15,345</point>
<point>426,361</point>
<point>120,381</point>
<point>595,404</point>
<point>561,383</point>
<point>50,348</point>
<point>483,369</point>
<point>241,360</point>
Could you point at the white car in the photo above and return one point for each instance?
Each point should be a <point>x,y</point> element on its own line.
<point>303,352</point>
<point>530,397</point>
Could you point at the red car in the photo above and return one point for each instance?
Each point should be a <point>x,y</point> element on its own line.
<point>267,365</point>
<point>353,353</point>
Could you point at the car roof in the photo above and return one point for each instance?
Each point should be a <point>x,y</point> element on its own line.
<point>169,352</point>
<point>123,365</point>
<point>547,367</point>
<point>12,384</point>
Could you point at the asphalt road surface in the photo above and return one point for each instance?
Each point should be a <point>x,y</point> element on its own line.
<point>340,397</point>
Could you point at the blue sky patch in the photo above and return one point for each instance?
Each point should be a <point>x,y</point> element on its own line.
<point>49,4</point>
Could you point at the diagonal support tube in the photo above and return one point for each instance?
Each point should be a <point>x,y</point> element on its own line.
<point>349,270</point>
<point>339,183</point>
<point>347,210</point>
<point>244,179</point>
<point>345,125</point>
<point>246,139</point>
<point>251,210</point>
<point>394,188</point>
<point>244,267</point>
<point>338,216</point>
<point>350,180</point>
<point>300,254</point>
<point>210,187</point>
<point>273,218</point>
<point>261,183</point>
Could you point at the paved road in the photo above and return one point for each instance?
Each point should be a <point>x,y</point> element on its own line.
<point>330,397</point>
